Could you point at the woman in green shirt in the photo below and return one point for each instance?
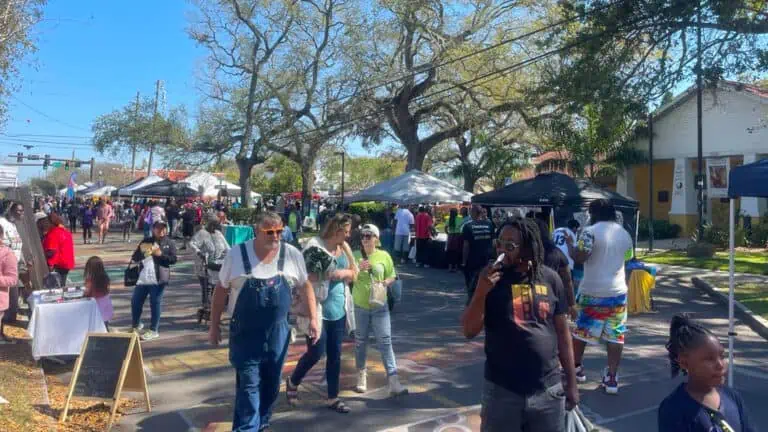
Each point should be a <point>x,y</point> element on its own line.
<point>336,308</point>
<point>375,265</point>
<point>453,248</point>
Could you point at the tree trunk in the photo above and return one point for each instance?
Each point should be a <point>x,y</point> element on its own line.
<point>469,179</point>
<point>307,185</point>
<point>415,157</point>
<point>245,166</point>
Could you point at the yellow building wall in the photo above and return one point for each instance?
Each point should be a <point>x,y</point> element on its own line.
<point>663,173</point>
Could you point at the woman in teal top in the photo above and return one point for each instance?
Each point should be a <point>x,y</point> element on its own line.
<point>375,265</point>
<point>342,270</point>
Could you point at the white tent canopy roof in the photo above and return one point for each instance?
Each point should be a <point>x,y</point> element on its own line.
<point>146,181</point>
<point>211,185</point>
<point>102,191</point>
<point>413,187</point>
<point>78,188</point>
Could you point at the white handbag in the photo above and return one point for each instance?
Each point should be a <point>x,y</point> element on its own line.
<point>576,421</point>
<point>147,276</point>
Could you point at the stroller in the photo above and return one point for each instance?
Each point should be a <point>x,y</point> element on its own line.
<point>204,312</point>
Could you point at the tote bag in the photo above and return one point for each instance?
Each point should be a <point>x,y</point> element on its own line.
<point>378,295</point>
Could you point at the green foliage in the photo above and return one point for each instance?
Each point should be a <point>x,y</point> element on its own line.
<point>759,235</point>
<point>369,212</point>
<point>243,216</point>
<point>360,172</point>
<point>700,250</point>
<point>661,230</point>
<point>44,186</point>
<point>277,175</point>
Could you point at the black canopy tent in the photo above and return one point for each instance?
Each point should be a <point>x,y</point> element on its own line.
<point>564,195</point>
<point>749,180</point>
<point>166,188</point>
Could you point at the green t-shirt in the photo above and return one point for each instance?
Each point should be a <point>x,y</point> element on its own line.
<point>382,268</point>
<point>456,228</point>
<point>293,221</point>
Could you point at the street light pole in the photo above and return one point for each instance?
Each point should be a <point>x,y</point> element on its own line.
<point>343,157</point>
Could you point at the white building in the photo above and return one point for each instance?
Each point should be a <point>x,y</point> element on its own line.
<point>735,131</point>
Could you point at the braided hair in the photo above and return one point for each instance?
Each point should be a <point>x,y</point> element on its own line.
<point>531,247</point>
<point>684,334</point>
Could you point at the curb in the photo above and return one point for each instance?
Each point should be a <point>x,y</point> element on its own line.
<point>756,323</point>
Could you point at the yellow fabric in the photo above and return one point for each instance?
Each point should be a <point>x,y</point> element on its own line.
<point>640,285</point>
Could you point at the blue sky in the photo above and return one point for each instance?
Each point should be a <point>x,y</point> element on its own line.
<point>93,56</point>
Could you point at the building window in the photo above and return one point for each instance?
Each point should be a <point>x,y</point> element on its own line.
<point>663,196</point>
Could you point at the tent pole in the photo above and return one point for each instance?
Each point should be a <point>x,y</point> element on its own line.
<point>731,287</point>
<point>637,233</point>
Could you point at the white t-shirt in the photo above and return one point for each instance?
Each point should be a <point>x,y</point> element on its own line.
<point>604,269</point>
<point>232,274</point>
<point>404,219</point>
<point>11,237</point>
<point>559,238</point>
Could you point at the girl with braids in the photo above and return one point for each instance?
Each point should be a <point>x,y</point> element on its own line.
<point>518,303</point>
<point>702,404</point>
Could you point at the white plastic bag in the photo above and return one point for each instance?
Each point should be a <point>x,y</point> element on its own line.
<point>378,296</point>
<point>412,253</point>
<point>147,276</point>
<point>576,421</point>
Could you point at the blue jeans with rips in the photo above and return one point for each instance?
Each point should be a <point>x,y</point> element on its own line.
<point>377,320</point>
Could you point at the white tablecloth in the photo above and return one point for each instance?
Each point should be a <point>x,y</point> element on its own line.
<point>60,328</point>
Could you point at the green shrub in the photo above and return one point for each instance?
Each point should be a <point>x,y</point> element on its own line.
<point>759,236</point>
<point>243,216</point>
<point>719,236</point>
<point>661,230</point>
<point>700,250</point>
<point>369,212</point>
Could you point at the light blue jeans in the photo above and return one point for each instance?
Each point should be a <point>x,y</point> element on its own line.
<point>377,320</point>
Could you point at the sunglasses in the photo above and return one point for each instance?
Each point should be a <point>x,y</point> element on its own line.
<point>271,232</point>
<point>507,245</point>
<point>367,236</point>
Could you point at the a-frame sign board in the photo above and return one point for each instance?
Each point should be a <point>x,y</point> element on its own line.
<point>108,364</point>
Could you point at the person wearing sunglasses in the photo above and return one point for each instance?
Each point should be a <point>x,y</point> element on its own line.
<point>518,303</point>
<point>337,307</point>
<point>376,266</point>
<point>260,276</point>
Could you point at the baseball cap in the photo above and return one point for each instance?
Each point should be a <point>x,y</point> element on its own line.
<point>370,229</point>
<point>161,222</point>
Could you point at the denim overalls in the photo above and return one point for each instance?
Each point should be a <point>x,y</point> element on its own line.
<point>258,342</point>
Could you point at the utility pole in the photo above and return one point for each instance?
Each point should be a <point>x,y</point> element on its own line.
<point>133,142</point>
<point>650,180</point>
<point>152,136</point>
<point>700,148</point>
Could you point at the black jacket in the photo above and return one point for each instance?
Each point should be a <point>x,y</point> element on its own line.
<point>163,262</point>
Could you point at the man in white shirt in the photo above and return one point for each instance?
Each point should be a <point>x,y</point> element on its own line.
<point>261,277</point>
<point>563,235</point>
<point>602,247</point>
<point>404,220</point>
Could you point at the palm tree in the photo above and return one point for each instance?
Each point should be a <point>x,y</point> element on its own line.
<point>598,143</point>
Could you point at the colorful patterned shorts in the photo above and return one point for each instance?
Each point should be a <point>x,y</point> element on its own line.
<point>601,318</point>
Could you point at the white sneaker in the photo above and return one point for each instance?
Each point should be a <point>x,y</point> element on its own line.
<point>150,335</point>
<point>138,329</point>
<point>395,388</point>
<point>362,381</point>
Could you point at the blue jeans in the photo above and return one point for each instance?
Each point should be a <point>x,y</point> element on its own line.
<point>506,411</point>
<point>140,293</point>
<point>378,320</point>
<point>256,389</point>
<point>330,342</point>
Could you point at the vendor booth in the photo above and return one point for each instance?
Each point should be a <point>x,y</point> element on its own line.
<point>127,190</point>
<point>561,196</point>
<point>750,180</point>
<point>413,187</point>
<point>166,189</point>
<point>210,186</point>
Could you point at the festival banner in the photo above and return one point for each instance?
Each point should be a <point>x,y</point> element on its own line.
<point>717,177</point>
<point>71,185</point>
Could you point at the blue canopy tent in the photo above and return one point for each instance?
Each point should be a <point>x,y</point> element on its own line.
<point>749,180</point>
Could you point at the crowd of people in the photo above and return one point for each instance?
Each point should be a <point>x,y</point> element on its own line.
<point>524,284</point>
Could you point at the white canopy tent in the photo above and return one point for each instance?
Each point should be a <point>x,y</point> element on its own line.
<point>211,185</point>
<point>78,188</point>
<point>750,180</point>
<point>128,189</point>
<point>413,187</point>
<point>102,191</point>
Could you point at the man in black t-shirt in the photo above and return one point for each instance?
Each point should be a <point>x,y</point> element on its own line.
<point>478,239</point>
<point>519,303</point>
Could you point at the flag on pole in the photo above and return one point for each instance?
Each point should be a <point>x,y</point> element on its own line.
<point>71,186</point>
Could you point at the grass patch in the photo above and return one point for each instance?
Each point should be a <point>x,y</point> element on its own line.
<point>754,296</point>
<point>746,262</point>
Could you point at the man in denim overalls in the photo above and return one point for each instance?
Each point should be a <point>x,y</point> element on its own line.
<point>260,277</point>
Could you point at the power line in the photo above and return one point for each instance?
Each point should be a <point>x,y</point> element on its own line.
<point>48,136</point>
<point>53,119</point>
<point>38,143</point>
<point>24,140</point>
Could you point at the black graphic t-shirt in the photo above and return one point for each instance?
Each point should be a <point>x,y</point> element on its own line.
<point>479,234</point>
<point>520,338</point>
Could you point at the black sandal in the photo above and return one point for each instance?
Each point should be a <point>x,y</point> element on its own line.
<point>291,393</point>
<point>340,407</point>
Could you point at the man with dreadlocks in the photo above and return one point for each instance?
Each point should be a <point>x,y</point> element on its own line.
<point>518,302</point>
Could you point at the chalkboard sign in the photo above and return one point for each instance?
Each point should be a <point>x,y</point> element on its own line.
<point>100,367</point>
<point>108,364</point>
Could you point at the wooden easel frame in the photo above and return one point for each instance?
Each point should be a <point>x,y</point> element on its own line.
<point>133,364</point>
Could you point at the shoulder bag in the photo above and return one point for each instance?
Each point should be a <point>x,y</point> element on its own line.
<point>378,295</point>
<point>131,275</point>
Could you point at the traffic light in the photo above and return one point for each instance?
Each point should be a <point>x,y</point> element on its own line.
<point>66,166</point>
<point>46,161</point>
<point>19,157</point>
